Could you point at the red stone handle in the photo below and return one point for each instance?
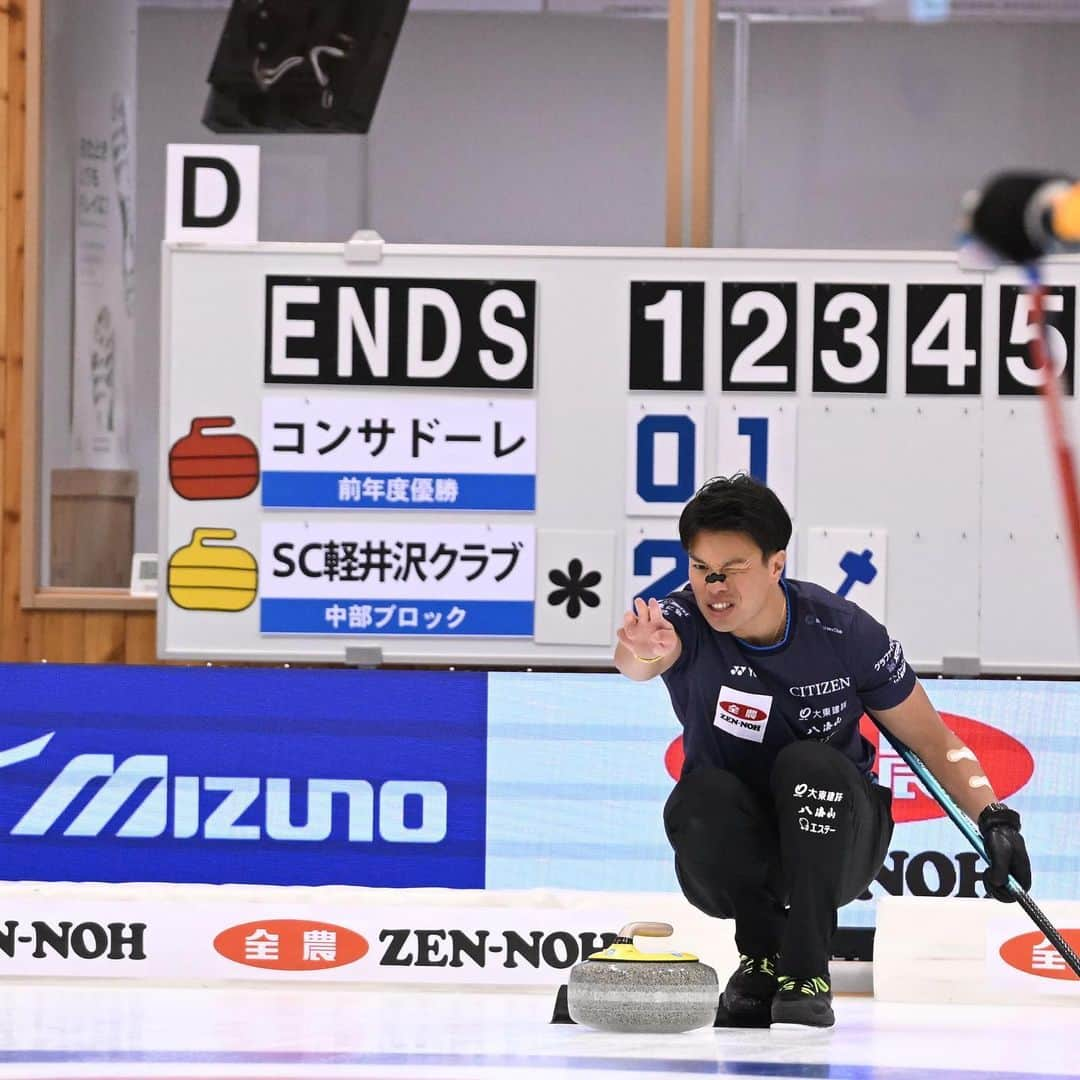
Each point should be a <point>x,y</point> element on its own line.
<point>202,423</point>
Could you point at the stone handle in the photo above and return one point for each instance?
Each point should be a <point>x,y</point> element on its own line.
<point>646,929</point>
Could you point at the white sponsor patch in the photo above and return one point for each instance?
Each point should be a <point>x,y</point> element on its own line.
<point>742,714</point>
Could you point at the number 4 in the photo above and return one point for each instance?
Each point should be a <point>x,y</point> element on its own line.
<point>956,357</point>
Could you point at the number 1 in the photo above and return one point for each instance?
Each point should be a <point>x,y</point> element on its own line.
<point>668,310</point>
<point>756,428</point>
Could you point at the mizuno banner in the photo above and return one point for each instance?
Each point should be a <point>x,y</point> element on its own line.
<point>269,777</point>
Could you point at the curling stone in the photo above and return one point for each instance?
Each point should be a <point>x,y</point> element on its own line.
<point>623,989</point>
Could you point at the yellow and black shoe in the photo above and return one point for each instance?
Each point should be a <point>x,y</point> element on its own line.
<point>747,998</point>
<point>803,1001</point>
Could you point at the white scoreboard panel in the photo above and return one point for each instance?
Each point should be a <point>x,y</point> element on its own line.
<point>479,455</point>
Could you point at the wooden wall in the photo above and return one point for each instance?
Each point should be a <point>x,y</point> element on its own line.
<point>34,634</point>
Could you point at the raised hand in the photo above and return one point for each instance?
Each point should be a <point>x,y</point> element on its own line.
<point>645,631</point>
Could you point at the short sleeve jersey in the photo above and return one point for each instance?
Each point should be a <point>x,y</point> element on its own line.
<point>741,704</point>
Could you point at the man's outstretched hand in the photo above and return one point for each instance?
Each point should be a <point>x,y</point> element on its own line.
<point>645,631</point>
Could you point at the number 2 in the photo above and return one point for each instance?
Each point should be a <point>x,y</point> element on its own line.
<point>746,368</point>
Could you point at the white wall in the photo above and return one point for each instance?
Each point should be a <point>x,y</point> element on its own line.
<point>866,135</point>
<point>524,130</point>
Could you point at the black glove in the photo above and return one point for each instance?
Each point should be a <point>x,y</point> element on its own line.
<point>1005,851</point>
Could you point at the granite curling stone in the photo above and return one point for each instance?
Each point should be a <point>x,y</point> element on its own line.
<point>622,989</point>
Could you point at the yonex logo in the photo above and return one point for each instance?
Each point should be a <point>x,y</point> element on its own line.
<point>174,804</point>
<point>744,670</point>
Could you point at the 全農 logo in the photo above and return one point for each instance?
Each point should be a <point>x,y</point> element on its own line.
<point>744,712</point>
<point>1008,764</point>
<point>1032,954</point>
<point>291,945</point>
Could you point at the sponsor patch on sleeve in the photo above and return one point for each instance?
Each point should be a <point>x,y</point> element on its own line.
<point>669,608</point>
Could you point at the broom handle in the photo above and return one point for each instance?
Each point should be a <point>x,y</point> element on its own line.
<point>1055,422</point>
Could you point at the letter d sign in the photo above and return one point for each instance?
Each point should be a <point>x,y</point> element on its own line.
<point>212,193</point>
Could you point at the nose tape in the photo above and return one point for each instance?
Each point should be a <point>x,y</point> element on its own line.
<point>710,578</point>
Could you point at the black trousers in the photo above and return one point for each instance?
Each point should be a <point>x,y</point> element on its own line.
<point>780,864</point>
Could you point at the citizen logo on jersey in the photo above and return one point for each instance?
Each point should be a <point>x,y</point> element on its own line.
<point>742,714</point>
<point>744,670</point>
<point>821,689</point>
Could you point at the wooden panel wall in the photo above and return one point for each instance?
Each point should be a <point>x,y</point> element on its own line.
<point>32,635</point>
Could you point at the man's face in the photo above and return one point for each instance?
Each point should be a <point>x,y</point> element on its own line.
<point>740,600</point>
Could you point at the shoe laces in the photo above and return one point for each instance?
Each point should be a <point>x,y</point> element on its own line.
<point>751,965</point>
<point>816,985</point>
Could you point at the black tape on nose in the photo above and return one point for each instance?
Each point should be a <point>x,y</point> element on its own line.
<point>715,577</point>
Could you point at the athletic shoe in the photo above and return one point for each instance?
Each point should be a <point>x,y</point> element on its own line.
<point>747,998</point>
<point>803,1001</point>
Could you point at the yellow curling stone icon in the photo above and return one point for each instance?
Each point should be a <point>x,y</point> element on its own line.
<point>212,577</point>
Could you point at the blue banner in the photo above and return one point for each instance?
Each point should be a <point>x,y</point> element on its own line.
<point>368,491</point>
<point>249,776</point>
<point>422,618</point>
<point>504,780</point>
<point>580,767</point>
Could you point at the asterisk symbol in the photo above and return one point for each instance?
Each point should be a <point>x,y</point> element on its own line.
<point>574,589</point>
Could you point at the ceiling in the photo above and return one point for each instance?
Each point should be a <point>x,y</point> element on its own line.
<point>877,10</point>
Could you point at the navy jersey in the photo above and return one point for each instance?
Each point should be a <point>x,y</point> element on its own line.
<point>741,704</point>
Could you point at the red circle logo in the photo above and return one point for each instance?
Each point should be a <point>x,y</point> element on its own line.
<point>1033,955</point>
<point>291,945</point>
<point>1008,764</point>
<point>743,712</point>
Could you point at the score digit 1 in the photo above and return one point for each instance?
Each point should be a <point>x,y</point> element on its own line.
<point>758,437</point>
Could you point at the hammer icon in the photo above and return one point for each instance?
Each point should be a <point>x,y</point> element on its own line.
<point>859,570</point>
